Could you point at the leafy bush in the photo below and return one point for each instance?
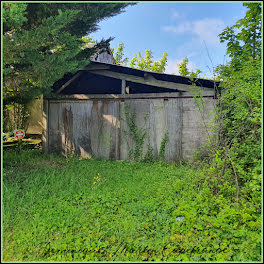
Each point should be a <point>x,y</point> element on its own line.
<point>233,167</point>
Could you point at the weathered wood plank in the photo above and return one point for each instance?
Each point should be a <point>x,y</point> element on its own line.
<point>141,110</point>
<point>89,129</point>
<point>130,96</point>
<point>123,90</point>
<point>45,130</point>
<point>94,67</point>
<point>55,128</point>
<point>97,127</point>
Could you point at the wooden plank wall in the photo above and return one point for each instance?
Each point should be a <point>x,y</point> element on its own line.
<point>87,128</point>
<point>156,117</point>
<point>96,128</point>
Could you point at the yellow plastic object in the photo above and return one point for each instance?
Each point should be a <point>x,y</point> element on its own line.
<point>12,141</point>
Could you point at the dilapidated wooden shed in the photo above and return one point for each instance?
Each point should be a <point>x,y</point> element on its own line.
<point>110,111</point>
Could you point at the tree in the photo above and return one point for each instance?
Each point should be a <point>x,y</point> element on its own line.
<point>235,162</point>
<point>138,62</point>
<point>183,69</point>
<point>44,41</point>
<point>119,55</point>
<point>243,39</point>
<point>147,63</point>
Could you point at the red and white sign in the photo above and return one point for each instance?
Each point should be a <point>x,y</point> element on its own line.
<point>19,134</point>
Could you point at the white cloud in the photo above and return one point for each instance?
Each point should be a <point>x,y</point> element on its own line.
<point>209,29</point>
<point>184,27</point>
<point>206,29</point>
<point>175,15</point>
<point>172,67</point>
<point>191,55</point>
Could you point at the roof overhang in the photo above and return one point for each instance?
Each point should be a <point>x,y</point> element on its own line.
<point>162,80</point>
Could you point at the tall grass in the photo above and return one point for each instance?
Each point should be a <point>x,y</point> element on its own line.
<point>58,209</point>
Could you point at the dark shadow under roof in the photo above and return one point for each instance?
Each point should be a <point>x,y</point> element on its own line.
<point>88,83</point>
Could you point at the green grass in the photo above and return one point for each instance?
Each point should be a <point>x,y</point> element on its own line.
<point>55,209</point>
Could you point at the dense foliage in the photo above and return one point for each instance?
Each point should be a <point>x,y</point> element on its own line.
<point>184,71</point>
<point>235,159</point>
<point>240,103</point>
<point>58,209</point>
<point>119,54</point>
<point>233,166</point>
<point>243,40</point>
<point>146,63</point>
<point>43,41</point>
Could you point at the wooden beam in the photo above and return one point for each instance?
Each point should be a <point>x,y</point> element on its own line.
<point>129,96</point>
<point>90,67</point>
<point>123,87</point>
<point>149,77</point>
<point>149,81</point>
<point>69,82</point>
<point>94,67</point>
<point>45,124</point>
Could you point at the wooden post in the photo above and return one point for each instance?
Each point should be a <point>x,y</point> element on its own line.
<point>123,87</point>
<point>45,122</point>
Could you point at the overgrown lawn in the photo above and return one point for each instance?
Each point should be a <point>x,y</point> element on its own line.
<point>58,209</point>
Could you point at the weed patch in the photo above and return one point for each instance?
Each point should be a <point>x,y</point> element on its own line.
<point>90,210</point>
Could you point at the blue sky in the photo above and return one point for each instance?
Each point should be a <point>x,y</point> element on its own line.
<point>179,28</point>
